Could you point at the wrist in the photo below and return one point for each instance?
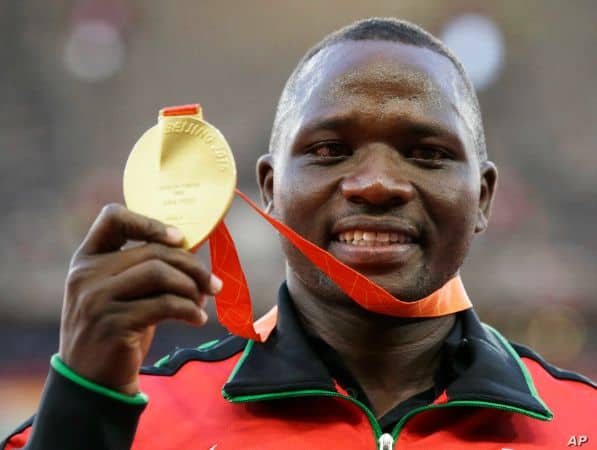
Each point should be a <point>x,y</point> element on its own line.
<point>130,393</point>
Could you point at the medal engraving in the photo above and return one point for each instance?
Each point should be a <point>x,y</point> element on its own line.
<point>182,173</point>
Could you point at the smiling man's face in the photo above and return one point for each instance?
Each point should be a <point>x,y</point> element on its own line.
<point>377,163</point>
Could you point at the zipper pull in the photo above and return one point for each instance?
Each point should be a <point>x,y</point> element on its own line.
<point>386,442</point>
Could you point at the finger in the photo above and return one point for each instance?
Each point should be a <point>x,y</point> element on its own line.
<point>184,261</point>
<point>147,312</point>
<point>116,224</point>
<point>153,277</point>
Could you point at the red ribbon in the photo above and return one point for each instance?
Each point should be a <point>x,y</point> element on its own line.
<point>233,303</point>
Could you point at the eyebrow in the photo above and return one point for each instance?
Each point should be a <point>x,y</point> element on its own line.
<point>428,129</point>
<point>328,123</point>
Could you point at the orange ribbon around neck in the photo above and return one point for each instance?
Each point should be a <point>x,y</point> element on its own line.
<point>233,303</point>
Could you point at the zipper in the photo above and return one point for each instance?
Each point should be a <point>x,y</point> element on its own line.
<point>386,442</point>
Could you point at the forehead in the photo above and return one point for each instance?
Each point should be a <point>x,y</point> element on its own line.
<point>381,77</point>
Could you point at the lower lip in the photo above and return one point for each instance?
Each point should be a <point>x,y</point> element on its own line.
<point>373,255</point>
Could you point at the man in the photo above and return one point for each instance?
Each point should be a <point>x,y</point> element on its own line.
<point>377,156</point>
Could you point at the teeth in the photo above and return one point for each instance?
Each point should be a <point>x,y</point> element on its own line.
<point>369,236</point>
<point>383,237</point>
<point>375,238</point>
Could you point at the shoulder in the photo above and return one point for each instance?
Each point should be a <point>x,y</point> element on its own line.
<point>214,351</point>
<point>186,384</point>
<point>545,372</point>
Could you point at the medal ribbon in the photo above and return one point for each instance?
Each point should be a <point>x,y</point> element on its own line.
<point>233,303</point>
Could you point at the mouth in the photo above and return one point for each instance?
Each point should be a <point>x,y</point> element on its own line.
<point>369,242</point>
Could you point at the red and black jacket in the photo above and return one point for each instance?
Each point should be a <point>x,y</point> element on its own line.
<point>288,393</point>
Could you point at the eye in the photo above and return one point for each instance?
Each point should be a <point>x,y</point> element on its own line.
<point>329,150</point>
<point>425,153</point>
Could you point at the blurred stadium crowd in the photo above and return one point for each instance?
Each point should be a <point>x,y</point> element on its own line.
<point>81,80</point>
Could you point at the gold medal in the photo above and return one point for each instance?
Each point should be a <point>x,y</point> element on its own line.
<point>181,172</point>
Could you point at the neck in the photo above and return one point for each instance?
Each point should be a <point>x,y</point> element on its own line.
<point>392,358</point>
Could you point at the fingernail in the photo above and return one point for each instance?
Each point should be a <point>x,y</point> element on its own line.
<point>174,235</point>
<point>215,285</point>
<point>204,316</point>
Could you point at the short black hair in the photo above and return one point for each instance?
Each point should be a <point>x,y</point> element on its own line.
<point>382,29</point>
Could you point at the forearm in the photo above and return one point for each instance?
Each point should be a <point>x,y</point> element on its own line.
<point>74,415</point>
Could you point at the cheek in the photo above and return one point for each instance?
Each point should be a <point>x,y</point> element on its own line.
<point>452,206</point>
<point>301,200</point>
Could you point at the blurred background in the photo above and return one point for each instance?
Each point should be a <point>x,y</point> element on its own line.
<point>81,80</point>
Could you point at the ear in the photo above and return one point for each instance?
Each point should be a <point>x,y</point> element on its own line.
<point>489,177</point>
<point>265,180</point>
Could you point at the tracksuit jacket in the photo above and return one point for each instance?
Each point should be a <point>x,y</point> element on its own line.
<point>292,392</point>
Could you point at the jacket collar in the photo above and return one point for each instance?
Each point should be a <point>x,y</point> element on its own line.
<point>486,370</point>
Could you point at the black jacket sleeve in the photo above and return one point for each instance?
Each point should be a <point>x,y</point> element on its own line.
<point>72,417</point>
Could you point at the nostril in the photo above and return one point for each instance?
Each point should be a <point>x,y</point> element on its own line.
<point>386,191</point>
<point>377,205</point>
<point>356,199</point>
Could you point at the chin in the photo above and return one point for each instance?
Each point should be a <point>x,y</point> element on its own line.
<point>409,284</point>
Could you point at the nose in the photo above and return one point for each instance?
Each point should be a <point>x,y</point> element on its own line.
<point>378,180</point>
